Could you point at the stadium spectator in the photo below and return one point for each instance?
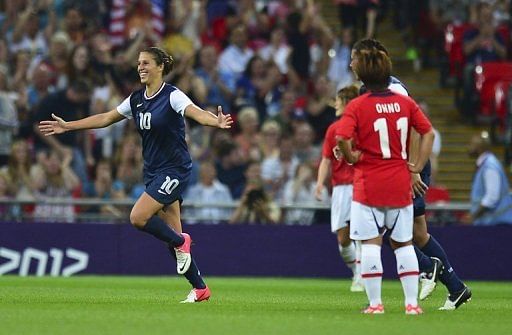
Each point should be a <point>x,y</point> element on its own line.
<point>256,205</point>
<point>5,194</point>
<point>304,148</point>
<point>18,169</point>
<point>231,167</point>
<point>339,72</point>
<point>54,179</point>
<point>128,167</point>
<point>301,191</point>
<point>491,200</point>
<point>270,138</point>
<point>481,44</point>
<point>234,58</point>
<point>249,137</point>
<point>277,50</point>
<point>258,85</point>
<point>189,18</point>
<point>103,187</point>
<point>276,171</point>
<point>354,14</point>
<point>220,85</point>
<point>206,192</point>
<point>320,113</point>
<point>8,117</point>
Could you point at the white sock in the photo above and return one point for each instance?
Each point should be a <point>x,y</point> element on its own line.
<point>371,271</point>
<point>348,254</point>
<point>358,258</point>
<point>408,271</point>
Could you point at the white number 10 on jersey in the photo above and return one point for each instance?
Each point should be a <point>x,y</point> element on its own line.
<point>380,125</point>
<point>145,121</point>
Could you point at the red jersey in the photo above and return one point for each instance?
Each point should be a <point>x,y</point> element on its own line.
<point>341,172</point>
<point>380,123</point>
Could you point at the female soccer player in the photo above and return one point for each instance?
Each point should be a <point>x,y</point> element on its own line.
<point>380,122</point>
<point>158,111</point>
<point>341,180</point>
<point>433,261</point>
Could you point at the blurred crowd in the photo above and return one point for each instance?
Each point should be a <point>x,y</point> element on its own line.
<point>274,65</point>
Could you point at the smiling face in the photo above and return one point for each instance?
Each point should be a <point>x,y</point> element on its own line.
<point>149,71</point>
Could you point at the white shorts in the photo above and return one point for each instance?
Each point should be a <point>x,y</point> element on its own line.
<point>369,222</point>
<point>340,206</point>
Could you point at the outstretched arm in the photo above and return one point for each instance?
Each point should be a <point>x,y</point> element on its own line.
<point>207,118</point>
<point>59,126</point>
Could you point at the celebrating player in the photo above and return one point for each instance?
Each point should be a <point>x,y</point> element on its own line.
<point>158,111</point>
<point>341,180</point>
<point>433,261</point>
<point>379,122</point>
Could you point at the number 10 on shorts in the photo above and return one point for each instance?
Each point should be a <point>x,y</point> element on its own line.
<point>168,185</point>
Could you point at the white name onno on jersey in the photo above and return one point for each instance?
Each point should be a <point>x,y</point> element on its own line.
<point>388,108</point>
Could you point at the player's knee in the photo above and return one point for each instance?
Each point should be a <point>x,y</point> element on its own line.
<point>138,221</point>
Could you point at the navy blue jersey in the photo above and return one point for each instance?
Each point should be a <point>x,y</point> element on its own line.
<point>160,121</point>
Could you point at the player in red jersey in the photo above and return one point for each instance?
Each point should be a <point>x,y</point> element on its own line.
<point>341,181</point>
<point>379,122</point>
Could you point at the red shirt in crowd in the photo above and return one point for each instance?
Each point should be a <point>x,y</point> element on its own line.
<point>380,123</point>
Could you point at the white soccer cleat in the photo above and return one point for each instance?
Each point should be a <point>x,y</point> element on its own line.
<point>183,257</point>
<point>357,284</point>
<point>197,295</point>
<point>428,281</point>
<point>455,300</point>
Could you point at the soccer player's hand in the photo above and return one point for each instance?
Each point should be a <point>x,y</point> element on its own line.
<point>224,120</point>
<point>319,191</point>
<point>353,157</point>
<point>337,153</point>
<point>419,188</point>
<point>58,126</point>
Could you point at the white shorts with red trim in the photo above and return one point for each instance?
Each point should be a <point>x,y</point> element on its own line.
<point>369,222</point>
<point>340,206</point>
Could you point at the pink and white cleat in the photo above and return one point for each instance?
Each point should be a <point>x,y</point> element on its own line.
<point>413,310</point>
<point>183,257</point>
<point>198,295</point>
<point>379,309</point>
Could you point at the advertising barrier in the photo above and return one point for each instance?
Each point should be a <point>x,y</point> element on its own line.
<point>60,249</point>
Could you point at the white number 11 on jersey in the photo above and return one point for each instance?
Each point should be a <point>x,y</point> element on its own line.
<point>380,125</point>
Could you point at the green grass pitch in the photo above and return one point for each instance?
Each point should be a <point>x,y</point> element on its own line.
<point>149,305</point>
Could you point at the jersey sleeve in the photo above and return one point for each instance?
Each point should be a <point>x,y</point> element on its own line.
<point>326,146</point>
<point>125,109</point>
<point>347,123</point>
<point>419,121</point>
<point>179,101</point>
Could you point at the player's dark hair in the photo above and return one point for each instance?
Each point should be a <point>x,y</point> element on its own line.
<point>369,44</point>
<point>373,67</point>
<point>161,57</point>
<point>348,93</point>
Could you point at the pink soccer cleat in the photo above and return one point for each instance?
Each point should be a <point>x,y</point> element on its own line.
<point>198,295</point>
<point>379,309</point>
<point>183,257</point>
<point>413,310</point>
